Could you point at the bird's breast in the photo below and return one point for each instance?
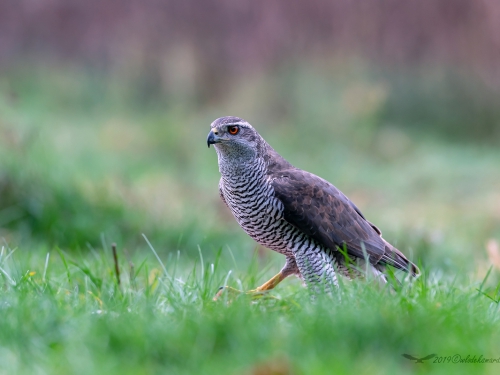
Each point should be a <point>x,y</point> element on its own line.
<point>259,213</point>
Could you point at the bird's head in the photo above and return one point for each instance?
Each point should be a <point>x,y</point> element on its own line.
<point>234,138</point>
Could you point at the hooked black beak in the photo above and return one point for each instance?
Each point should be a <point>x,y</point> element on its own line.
<point>212,139</point>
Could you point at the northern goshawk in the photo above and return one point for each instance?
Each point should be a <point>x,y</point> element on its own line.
<point>296,213</point>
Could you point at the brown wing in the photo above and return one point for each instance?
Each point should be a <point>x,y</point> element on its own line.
<point>321,211</point>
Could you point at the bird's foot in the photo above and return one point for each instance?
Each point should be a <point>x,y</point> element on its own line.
<point>256,293</point>
<point>233,293</point>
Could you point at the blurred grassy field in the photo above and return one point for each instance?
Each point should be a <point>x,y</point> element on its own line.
<point>86,160</point>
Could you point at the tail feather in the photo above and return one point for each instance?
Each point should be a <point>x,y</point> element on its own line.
<point>397,259</point>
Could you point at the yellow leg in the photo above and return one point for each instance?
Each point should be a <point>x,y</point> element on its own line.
<point>271,284</point>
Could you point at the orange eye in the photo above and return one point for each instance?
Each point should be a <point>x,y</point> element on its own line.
<point>233,130</point>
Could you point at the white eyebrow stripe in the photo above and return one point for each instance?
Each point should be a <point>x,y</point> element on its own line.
<point>244,124</point>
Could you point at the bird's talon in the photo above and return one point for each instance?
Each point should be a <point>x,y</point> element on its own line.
<point>256,291</point>
<point>232,292</point>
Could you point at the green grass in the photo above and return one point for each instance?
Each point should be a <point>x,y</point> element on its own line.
<point>83,163</point>
<point>69,316</point>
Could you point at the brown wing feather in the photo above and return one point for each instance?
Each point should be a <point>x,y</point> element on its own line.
<point>323,212</point>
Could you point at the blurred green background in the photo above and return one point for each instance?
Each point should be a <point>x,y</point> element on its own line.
<point>105,108</point>
<point>104,111</point>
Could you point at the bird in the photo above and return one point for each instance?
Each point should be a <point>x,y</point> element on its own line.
<point>321,233</point>
<point>418,360</point>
